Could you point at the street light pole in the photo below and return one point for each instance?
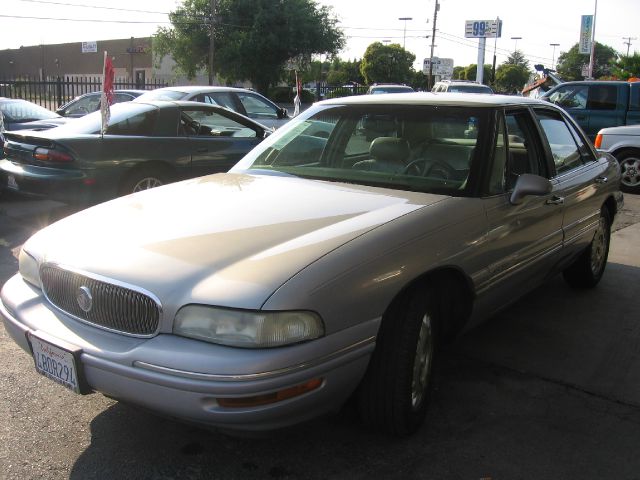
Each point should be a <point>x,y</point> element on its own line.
<point>553,56</point>
<point>404,36</point>
<point>515,46</point>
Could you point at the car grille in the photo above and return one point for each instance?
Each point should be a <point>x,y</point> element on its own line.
<point>110,306</point>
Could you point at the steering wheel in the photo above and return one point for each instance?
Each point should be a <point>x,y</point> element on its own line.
<point>412,167</point>
<point>442,170</point>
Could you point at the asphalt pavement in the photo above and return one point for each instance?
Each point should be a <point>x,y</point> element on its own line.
<point>547,389</point>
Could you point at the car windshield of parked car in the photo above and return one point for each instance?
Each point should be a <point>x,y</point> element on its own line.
<point>469,89</point>
<point>127,118</point>
<point>161,94</point>
<point>418,148</point>
<point>21,111</point>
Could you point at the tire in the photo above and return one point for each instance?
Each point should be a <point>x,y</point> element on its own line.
<point>395,392</point>
<point>143,179</point>
<point>630,168</point>
<point>589,267</point>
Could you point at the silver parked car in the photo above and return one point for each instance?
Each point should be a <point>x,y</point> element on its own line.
<point>624,144</point>
<point>329,263</point>
<point>245,102</point>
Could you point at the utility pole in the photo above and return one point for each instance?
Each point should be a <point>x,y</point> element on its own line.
<point>433,44</point>
<point>628,42</point>
<point>212,22</point>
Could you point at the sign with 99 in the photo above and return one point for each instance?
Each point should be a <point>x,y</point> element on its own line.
<point>483,28</point>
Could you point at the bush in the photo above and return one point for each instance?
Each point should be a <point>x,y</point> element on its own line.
<point>287,94</point>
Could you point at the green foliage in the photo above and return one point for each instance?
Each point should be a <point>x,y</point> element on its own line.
<point>469,73</point>
<point>627,67</point>
<point>517,58</point>
<point>287,94</point>
<point>458,73</point>
<point>387,64</point>
<point>570,63</point>
<point>511,78</point>
<point>254,39</point>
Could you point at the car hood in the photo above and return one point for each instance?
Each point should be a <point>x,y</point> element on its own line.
<point>225,239</point>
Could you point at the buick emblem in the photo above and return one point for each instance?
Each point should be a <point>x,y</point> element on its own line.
<point>84,299</point>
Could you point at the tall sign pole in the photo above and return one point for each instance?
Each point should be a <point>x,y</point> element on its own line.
<point>483,29</point>
<point>592,58</point>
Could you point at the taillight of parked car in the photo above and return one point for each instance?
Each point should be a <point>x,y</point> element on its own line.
<point>598,142</point>
<point>51,155</point>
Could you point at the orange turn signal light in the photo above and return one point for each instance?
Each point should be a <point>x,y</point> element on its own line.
<point>598,141</point>
<point>267,398</point>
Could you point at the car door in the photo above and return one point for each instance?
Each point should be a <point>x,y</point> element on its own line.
<point>579,175</point>
<point>524,240</point>
<point>217,138</point>
<point>606,107</point>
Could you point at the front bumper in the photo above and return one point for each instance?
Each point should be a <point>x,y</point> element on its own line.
<point>183,378</point>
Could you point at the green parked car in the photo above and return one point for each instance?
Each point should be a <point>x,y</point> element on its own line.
<point>145,145</point>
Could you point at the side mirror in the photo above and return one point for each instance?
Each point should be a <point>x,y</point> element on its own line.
<point>529,184</point>
<point>282,112</point>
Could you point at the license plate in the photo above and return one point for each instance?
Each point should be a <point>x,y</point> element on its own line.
<point>11,183</point>
<point>56,363</point>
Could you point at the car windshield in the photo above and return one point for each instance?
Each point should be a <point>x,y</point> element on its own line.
<point>22,111</point>
<point>419,148</point>
<point>162,94</point>
<point>470,89</point>
<point>121,122</point>
<point>391,89</point>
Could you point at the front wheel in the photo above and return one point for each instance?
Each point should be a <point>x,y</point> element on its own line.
<point>396,389</point>
<point>588,269</point>
<point>630,170</point>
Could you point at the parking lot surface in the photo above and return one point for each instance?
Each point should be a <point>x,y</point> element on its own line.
<point>549,388</point>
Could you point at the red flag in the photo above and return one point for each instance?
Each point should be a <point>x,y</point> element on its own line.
<point>106,99</point>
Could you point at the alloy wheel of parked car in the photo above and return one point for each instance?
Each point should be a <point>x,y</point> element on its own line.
<point>143,179</point>
<point>630,167</point>
<point>395,391</point>
<point>587,270</point>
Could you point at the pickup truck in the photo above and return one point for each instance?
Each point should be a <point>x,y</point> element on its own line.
<point>595,105</point>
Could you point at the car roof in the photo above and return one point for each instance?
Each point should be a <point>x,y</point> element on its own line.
<point>202,88</point>
<point>429,98</point>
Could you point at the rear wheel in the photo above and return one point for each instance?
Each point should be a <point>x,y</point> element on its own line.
<point>143,179</point>
<point>395,392</point>
<point>588,269</point>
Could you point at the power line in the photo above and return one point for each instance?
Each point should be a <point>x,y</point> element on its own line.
<point>92,6</point>
<point>81,19</point>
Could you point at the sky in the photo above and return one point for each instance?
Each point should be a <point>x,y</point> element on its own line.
<point>34,22</point>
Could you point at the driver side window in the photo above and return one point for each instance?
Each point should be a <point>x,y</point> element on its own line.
<point>523,156</point>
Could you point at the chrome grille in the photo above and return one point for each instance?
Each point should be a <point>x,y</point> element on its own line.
<point>110,306</point>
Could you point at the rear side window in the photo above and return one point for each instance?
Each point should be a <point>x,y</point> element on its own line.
<point>603,97</point>
<point>634,103</point>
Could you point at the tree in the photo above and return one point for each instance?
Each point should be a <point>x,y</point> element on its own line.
<point>469,73</point>
<point>254,39</point>
<point>570,63</point>
<point>627,67</point>
<point>517,58</point>
<point>387,64</point>
<point>511,78</point>
<point>458,73</point>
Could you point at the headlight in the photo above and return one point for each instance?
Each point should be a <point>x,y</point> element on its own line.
<point>29,268</point>
<point>247,329</point>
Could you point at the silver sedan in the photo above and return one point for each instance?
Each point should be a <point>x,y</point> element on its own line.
<point>329,263</point>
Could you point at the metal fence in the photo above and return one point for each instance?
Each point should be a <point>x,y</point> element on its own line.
<point>55,91</point>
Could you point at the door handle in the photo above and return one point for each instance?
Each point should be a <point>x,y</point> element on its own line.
<point>555,200</point>
<point>601,179</point>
